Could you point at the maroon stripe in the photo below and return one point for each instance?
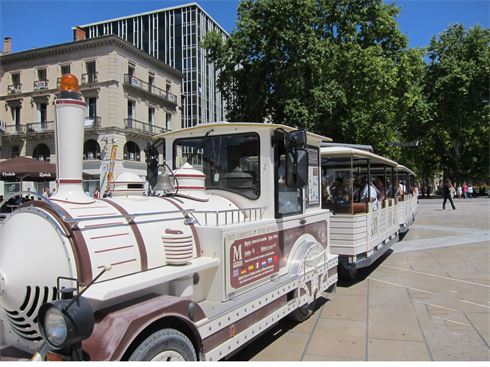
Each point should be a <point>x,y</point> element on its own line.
<point>136,233</point>
<point>70,101</point>
<point>108,236</point>
<point>113,249</point>
<point>66,181</point>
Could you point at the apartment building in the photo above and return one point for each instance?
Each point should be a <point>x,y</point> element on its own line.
<point>172,35</point>
<point>130,95</point>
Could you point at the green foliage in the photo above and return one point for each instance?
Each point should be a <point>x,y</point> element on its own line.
<point>339,68</point>
<point>457,89</point>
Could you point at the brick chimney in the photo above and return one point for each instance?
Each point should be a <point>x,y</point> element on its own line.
<point>79,34</point>
<point>7,45</point>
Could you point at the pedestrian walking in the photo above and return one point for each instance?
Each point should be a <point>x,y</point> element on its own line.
<point>465,190</point>
<point>470,191</point>
<point>460,191</point>
<point>447,188</point>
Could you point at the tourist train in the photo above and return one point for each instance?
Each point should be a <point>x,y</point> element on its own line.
<point>231,234</point>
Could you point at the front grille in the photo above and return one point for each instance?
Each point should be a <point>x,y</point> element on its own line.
<point>179,249</point>
<point>23,321</point>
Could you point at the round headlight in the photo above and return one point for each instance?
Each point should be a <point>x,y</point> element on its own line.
<point>55,326</point>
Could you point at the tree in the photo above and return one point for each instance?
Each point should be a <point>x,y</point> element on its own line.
<point>338,68</point>
<point>457,85</point>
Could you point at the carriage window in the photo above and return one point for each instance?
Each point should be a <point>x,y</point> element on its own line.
<point>230,162</point>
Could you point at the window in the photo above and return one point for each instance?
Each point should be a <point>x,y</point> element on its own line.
<point>91,106</point>
<point>41,114</point>
<point>16,79</point>
<point>91,150</point>
<point>288,200</point>
<point>15,151</point>
<point>230,162</point>
<point>151,116</point>
<point>16,118</point>
<point>41,74</point>
<point>131,109</point>
<point>91,72</point>
<point>65,69</point>
<point>131,152</point>
<point>131,70</point>
<point>41,153</point>
<point>168,124</point>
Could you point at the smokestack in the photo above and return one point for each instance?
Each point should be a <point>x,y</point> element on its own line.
<point>79,34</point>
<point>69,128</point>
<point>7,45</point>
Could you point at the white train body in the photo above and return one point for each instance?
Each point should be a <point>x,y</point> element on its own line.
<point>219,266</point>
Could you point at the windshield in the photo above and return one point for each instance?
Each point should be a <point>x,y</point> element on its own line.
<point>230,162</point>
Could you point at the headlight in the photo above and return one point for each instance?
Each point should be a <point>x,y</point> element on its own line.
<point>55,326</point>
<point>61,327</point>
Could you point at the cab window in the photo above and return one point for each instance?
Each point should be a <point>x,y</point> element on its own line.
<point>230,162</point>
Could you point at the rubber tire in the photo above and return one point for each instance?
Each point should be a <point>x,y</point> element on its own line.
<point>302,313</point>
<point>165,340</point>
<point>347,274</point>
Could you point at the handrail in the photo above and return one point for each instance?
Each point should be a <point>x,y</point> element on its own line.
<point>232,211</point>
<point>74,221</point>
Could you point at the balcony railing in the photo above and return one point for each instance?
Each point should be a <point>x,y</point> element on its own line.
<point>140,84</point>
<point>144,127</point>
<point>40,127</point>
<point>41,84</point>
<point>92,122</point>
<point>15,88</point>
<point>90,78</point>
<point>15,129</point>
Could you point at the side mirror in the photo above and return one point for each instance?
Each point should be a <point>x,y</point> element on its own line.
<point>296,168</point>
<point>295,139</point>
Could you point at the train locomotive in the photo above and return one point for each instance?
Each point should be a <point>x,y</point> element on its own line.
<point>232,240</point>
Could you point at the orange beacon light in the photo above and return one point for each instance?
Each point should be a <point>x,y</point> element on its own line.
<point>69,87</point>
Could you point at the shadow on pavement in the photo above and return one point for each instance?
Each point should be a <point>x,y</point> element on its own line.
<point>364,273</point>
<point>268,337</point>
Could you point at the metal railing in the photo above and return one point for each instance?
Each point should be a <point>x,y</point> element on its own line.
<point>14,88</point>
<point>40,127</point>
<point>150,88</point>
<point>92,122</point>
<point>90,78</point>
<point>15,129</point>
<point>143,126</point>
<point>254,214</point>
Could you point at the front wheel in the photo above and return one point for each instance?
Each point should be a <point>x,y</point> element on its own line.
<point>165,345</point>
<point>302,313</point>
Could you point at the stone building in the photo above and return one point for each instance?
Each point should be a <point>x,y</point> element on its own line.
<point>130,95</point>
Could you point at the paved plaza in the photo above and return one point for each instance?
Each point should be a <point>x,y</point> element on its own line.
<point>428,299</point>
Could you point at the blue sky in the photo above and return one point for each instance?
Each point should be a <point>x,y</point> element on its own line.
<point>43,23</point>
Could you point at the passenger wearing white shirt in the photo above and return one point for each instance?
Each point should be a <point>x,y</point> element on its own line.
<point>362,196</point>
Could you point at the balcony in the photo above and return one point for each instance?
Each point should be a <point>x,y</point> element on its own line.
<point>90,78</point>
<point>15,88</point>
<point>92,122</point>
<point>143,127</point>
<point>41,84</point>
<point>146,87</point>
<point>40,127</point>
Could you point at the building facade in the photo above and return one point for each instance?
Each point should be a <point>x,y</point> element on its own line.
<point>130,95</point>
<point>172,35</point>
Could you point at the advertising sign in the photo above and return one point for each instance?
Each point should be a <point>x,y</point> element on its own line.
<point>253,255</point>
